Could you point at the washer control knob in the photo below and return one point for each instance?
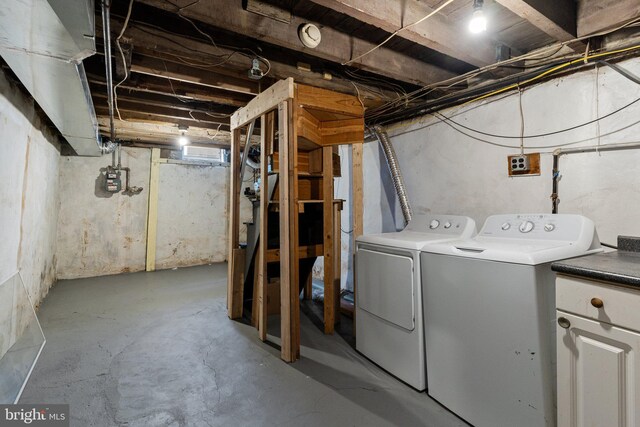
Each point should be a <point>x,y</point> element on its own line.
<point>434,224</point>
<point>506,226</point>
<point>526,226</point>
<point>549,227</point>
<point>447,224</point>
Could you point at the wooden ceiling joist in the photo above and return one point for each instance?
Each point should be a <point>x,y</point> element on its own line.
<point>436,33</point>
<point>556,18</point>
<point>336,46</point>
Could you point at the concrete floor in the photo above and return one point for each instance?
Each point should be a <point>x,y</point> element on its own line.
<point>157,349</point>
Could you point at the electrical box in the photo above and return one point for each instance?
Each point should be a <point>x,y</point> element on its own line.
<point>524,164</point>
<point>113,183</point>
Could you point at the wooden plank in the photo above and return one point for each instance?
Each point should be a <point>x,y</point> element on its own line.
<point>336,46</point>
<point>234,224</point>
<point>357,207</point>
<point>184,73</point>
<point>256,292</point>
<point>308,126</point>
<point>330,308</point>
<point>596,16</point>
<point>308,286</point>
<point>338,132</point>
<point>311,251</point>
<point>327,100</point>
<point>263,103</point>
<point>437,33</point>
<point>556,18</point>
<point>152,216</point>
<point>237,292</point>
<point>287,346</point>
<point>337,250</point>
<point>266,140</point>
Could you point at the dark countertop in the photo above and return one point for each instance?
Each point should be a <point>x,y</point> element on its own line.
<point>619,267</point>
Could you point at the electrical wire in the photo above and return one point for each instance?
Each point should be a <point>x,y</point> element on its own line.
<point>395,33</point>
<point>124,60</point>
<point>619,69</point>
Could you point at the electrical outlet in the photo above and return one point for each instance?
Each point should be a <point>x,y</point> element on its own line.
<point>524,164</point>
<point>519,163</point>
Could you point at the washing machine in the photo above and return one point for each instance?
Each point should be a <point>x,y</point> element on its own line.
<point>489,305</point>
<point>389,323</point>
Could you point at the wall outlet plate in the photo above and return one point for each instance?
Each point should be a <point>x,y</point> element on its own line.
<point>524,165</point>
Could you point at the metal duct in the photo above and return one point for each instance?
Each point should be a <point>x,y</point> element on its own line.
<point>394,169</point>
<point>44,43</point>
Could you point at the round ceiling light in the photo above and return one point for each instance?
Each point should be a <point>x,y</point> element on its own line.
<point>309,35</point>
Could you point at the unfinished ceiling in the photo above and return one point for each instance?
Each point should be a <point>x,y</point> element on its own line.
<point>187,62</point>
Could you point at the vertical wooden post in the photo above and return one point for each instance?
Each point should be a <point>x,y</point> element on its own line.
<point>234,307</point>
<point>266,143</point>
<point>337,250</point>
<point>358,206</point>
<point>152,217</point>
<point>329,257</point>
<point>289,293</point>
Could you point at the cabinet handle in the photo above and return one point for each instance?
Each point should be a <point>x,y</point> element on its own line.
<point>564,322</point>
<point>597,302</point>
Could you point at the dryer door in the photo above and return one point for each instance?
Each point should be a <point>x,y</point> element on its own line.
<point>385,285</point>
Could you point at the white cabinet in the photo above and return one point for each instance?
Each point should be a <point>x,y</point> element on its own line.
<point>598,360</point>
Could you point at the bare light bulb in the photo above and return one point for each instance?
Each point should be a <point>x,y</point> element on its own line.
<point>478,23</point>
<point>183,140</point>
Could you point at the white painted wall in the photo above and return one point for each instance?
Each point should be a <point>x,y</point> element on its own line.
<point>28,205</point>
<point>192,215</point>
<point>100,235</point>
<point>447,172</point>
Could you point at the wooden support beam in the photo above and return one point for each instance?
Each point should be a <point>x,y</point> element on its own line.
<point>336,46</point>
<point>556,18</point>
<point>152,215</point>
<point>330,308</point>
<point>436,33</point>
<point>595,16</point>
<point>263,103</point>
<point>289,303</point>
<point>314,98</point>
<point>154,114</point>
<point>357,207</point>
<point>234,307</point>
<point>159,68</point>
<point>267,130</point>
<point>337,250</point>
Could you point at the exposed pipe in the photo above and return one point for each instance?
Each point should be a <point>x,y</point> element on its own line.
<point>394,169</point>
<point>588,149</point>
<point>106,34</point>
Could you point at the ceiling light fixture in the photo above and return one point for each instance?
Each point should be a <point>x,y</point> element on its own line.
<point>478,23</point>
<point>182,139</point>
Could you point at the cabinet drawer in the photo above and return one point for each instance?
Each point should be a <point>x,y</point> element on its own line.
<point>619,305</point>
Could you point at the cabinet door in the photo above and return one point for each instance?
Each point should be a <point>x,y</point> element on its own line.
<point>598,374</point>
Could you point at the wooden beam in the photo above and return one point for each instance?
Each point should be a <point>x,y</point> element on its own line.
<point>311,251</point>
<point>233,284</point>
<point>595,16</point>
<point>139,112</point>
<point>152,41</point>
<point>310,97</point>
<point>335,46</point>
<point>159,68</point>
<point>436,33</point>
<point>357,206</point>
<point>267,130</point>
<point>337,250</point>
<point>337,132</point>
<point>330,308</point>
<point>556,18</point>
<point>268,100</point>
<point>152,215</point>
<point>166,132</point>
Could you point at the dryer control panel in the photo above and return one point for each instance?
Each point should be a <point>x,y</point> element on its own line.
<point>564,227</point>
<point>441,224</point>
